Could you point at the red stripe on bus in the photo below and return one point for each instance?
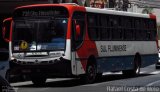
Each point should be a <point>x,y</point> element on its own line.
<point>87,49</point>
<point>152,16</point>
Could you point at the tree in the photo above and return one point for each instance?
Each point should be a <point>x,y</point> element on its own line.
<point>125,5</point>
<point>147,10</point>
<point>112,3</point>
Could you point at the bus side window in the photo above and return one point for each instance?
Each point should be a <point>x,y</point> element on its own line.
<point>137,28</point>
<point>105,32</point>
<point>114,23</point>
<point>128,33</point>
<point>143,30</point>
<point>78,27</point>
<point>93,29</point>
<point>152,29</point>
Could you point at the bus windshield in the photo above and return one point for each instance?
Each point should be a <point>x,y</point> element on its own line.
<point>39,34</point>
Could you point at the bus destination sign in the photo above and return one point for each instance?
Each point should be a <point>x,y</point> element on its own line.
<point>41,12</point>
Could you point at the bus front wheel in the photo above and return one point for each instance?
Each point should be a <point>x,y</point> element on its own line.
<point>90,75</point>
<point>7,76</point>
<point>38,80</point>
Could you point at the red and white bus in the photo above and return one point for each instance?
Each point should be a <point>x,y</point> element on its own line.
<point>68,40</point>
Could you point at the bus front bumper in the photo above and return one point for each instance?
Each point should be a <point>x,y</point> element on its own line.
<point>61,67</point>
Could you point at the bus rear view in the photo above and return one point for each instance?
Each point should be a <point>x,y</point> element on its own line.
<point>39,42</point>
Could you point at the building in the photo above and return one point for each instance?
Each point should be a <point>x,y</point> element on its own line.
<point>146,6</point>
<point>7,6</point>
<point>139,6</point>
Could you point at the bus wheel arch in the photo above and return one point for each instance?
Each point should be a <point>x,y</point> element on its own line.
<point>91,60</point>
<point>138,56</point>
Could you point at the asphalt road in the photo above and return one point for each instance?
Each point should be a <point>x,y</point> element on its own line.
<point>148,81</point>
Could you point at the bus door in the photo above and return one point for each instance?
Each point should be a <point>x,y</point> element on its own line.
<point>78,30</point>
<point>4,47</point>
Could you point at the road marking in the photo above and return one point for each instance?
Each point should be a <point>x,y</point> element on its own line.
<point>142,72</point>
<point>48,80</point>
<point>59,79</point>
<point>95,84</point>
<point>155,72</point>
<point>63,79</point>
<point>22,83</point>
<point>110,73</point>
<point>152,83</point>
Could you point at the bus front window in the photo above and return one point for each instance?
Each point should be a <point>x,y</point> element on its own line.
<point>39,34</point>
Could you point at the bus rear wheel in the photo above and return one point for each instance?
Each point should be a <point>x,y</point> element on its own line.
<point>136,69</point>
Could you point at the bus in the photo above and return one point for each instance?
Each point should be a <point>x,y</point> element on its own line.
<point>67,40</point>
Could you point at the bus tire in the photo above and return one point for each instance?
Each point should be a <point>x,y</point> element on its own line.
<point>90,75</point>
<point>7,76</point>
<point>38,80</point>
<point>136,69</point>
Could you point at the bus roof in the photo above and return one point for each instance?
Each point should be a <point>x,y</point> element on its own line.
<point>114,12</point>
<point>93,10</point>
<point>67,5</point>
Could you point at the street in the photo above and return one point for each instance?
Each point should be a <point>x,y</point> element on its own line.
<point>149,77</point>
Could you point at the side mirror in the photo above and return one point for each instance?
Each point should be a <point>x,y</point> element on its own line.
<point>78,30</point>
<point>4,34</point>
<point>6,29</point>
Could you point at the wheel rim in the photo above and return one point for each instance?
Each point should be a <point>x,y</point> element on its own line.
<point>137,70</point>
<point>137,66</point>
<point>91,73</point>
